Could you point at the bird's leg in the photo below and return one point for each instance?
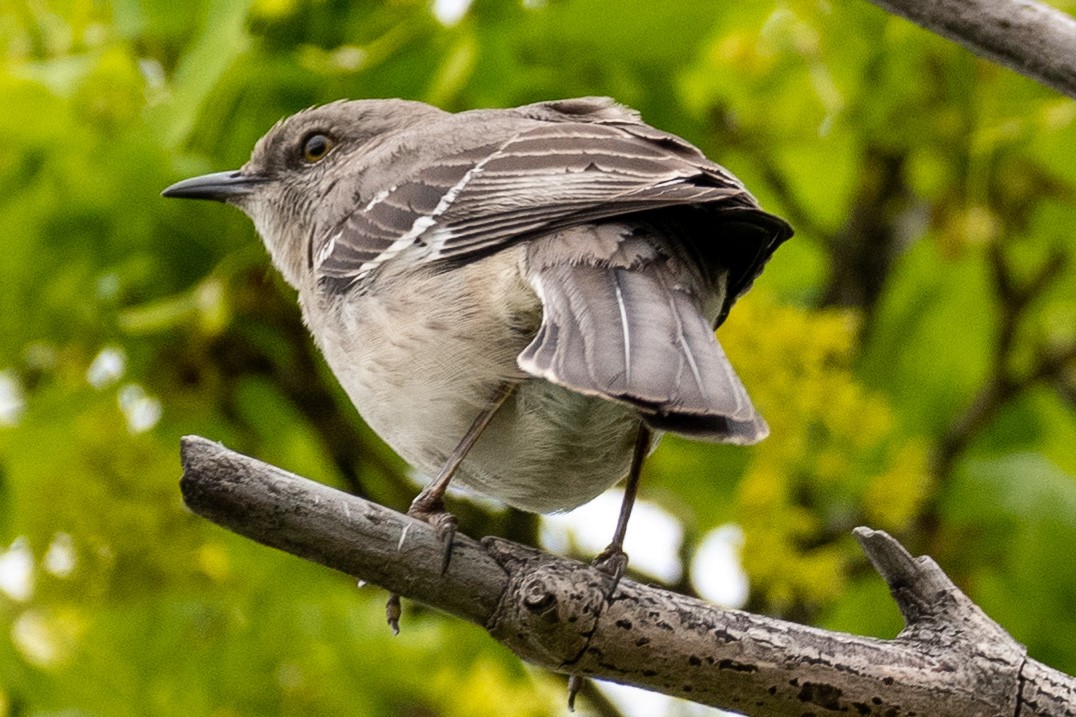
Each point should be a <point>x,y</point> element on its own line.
<point>429,505</point>
<point>613,560</point>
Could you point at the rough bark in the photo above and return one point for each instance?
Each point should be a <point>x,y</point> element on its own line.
<point>1034,39</point>
<point>950,660</point>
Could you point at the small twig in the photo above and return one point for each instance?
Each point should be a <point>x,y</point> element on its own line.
<point>794,209</point>
<point>1050,364</point>
<point>1049,270</point>
<point>797,213</point>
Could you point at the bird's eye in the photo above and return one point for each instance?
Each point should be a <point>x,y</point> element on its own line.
<point>316,146</point>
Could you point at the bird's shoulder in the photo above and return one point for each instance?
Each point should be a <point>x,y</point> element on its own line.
<point>579,109</point>
<point>553,127</point>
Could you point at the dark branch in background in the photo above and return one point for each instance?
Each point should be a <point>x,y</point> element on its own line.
<point>1029,37</point>
<point>558,613</point>
<point>863,250</point>
<point>1005,381</point>
<point>794,210</point>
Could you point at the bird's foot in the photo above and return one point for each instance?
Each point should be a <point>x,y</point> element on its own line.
<point>612,561</point>
<point>392,613</point>
<point>432,511</point>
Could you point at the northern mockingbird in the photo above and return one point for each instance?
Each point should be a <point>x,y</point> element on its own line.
<point>516,298</point>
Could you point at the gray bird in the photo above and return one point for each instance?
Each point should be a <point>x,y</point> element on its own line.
<point>517,298</point>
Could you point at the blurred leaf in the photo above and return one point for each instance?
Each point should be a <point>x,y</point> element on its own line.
<point>931,341</point>
<point>1022,507</point>
<point>221,38</point>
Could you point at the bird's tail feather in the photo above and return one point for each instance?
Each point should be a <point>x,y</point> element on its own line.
<point>620,321</point>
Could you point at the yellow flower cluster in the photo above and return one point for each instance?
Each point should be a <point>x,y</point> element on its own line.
<point>836,457</point>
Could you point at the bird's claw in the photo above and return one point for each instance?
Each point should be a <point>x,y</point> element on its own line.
<point>612,561</point>
<point>575,683</point>
<point>392,613</point>
<point>444,523</point>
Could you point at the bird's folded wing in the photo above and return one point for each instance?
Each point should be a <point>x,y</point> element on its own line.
<point>621,320</point>
<point>546,176</point>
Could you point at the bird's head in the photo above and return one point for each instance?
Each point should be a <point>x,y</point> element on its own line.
<point>290,186</point>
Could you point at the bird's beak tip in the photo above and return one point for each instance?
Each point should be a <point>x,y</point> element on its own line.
<point>219,186</point>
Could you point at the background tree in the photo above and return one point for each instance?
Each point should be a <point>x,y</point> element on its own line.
<point>912,347</point>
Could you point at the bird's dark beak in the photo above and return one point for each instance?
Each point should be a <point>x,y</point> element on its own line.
<point>219,186</point>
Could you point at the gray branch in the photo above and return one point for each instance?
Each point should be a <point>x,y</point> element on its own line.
<point>951,659</point>
<point>1034,39</point>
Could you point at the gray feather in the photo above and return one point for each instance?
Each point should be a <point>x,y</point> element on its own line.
<point>483,186</point>
<point>623,319</point>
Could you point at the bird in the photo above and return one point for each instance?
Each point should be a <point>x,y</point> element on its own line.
<point>519,300</point>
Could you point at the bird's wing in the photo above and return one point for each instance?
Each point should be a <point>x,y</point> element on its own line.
<point>549,175</point>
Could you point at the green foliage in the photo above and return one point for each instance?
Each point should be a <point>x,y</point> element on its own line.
<point>938,410</point>
<point>836,459</point>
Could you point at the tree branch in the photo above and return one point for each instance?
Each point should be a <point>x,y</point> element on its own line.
<point>554,612</point>
<point>1014,299</point>
<point>1027,36</point>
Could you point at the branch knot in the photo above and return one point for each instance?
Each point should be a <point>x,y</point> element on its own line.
<point>551,606</point>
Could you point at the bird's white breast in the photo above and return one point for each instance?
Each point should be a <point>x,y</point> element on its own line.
<point>421,354</point>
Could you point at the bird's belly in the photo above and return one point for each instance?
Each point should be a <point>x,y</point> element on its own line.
<point>421,363</point>
<point>550,449</point>
<point>547,448</point>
